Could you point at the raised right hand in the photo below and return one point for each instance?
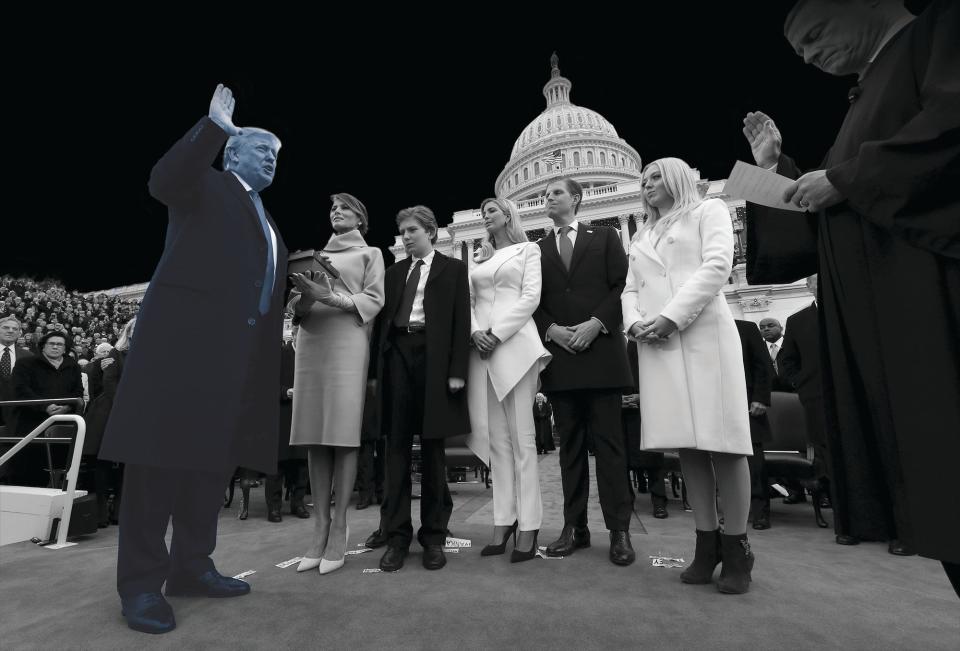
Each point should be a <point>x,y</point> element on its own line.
<point>764,138</point>
<point>221,110</point>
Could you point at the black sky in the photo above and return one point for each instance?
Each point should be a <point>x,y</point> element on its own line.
<point>396,118</point>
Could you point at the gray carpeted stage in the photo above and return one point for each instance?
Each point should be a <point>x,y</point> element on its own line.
<point>808,592</point>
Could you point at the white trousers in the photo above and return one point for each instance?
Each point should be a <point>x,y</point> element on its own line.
<point>513,455</point>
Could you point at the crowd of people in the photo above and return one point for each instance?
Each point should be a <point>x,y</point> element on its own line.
<point>43,306</point>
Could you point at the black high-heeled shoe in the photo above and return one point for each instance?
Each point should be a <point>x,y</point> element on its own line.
<point>494,550</point>
<point>517,556</point>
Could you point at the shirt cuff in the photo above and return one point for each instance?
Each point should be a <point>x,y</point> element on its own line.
<point>546,337</point>
<point>603,328</point>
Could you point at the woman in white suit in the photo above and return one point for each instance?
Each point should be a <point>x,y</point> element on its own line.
<point>692,388</point>
<point>505,367</point>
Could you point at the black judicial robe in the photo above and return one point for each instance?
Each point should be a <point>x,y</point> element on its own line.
<point>889,264</point>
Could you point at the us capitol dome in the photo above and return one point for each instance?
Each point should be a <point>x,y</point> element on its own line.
<point>587,145</point>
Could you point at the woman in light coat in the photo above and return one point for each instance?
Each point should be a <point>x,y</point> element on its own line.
<point>505,367</point>
<point>330,377</point>
<point>692,388</point>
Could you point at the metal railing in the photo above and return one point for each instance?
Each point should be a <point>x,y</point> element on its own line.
<point>72,472</point>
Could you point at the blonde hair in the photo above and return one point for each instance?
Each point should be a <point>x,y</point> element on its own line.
<point>681,184</point>
<point>125,338</point>
<point>513,230</point>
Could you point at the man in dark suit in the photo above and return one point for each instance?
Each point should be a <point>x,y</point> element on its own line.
<point>771,330</point>
<point>10,355</point>
<point>579,317</point>
<point>757,367</point>
<point>217,295</point>
<point>421,351</point>
<point>800,365</point>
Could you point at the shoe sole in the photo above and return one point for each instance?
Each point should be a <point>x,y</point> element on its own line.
<point>191,593</point>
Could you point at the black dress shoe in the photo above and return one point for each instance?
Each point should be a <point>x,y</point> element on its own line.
<point>393,559</point>
<point>363,503</point>
<point>660,510</point>
<point>209,584</point>
<point>897,548</point>
<point>571,539</point>
<point>433,557</point>
<point>621,551</point>
<point>300,511</point>
<point>844,539</point>
<point>761,521</point>
<point>148,613</point>
<point>376,539</point>
<point>274,516</point>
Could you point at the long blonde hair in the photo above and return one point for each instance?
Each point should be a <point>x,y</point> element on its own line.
<point>513,230</point>
<point>681,184</point>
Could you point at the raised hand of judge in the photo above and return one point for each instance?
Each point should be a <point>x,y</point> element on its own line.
<point>221,110</point>
<point>764,138</point>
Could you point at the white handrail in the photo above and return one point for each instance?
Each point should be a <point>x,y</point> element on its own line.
<point>72,473</point>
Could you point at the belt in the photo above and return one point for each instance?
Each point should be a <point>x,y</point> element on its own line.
<point>411,328</point>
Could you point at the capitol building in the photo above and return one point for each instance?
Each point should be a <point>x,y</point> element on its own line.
<point>570,140</point>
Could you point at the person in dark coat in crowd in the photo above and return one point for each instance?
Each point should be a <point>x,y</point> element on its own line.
<point>11,354</point>
<point>756,368</point>
<point>543,419</point>
<point>880,229</point>
<point>103,379</point>
<point>800,364</point>
<point>291,459</point>
<point>422,351</point>
<point>215,299</point>
<point>642,462</point>
<point>51,374</point>
<point>370,469</point>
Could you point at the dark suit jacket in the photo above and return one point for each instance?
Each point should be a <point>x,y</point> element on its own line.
<point>778,381</point>
<point>446,304</point>
<point>592,288</point>
<point>199,385</point>
<point>8,415</point>
<point>800,356</point>
<point>757,369</point>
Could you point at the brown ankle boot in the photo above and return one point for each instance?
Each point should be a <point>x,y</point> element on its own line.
<point>705,558</point>
<point>737,564</point>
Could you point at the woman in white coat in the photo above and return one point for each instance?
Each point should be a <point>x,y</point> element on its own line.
<point>692,388</point>
<point>505,367</point>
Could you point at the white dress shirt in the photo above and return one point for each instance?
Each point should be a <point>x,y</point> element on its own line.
<point>273,235</point>
<point>417,315</point>
<point>571,234</point>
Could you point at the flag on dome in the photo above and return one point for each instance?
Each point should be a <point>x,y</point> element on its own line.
<point>554,159</point>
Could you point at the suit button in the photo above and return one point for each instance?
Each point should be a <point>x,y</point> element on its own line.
<point>669,240</point>
<point>251,321</point>
<point>258,283</point>
<point>643,283</point>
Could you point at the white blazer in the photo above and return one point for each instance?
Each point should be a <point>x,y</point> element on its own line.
<point>504,293</point>
<point>692,388</point>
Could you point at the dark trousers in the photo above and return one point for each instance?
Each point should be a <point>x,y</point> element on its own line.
<point>293,472</point>
<point>598,411</point>
<point>759,480</point>
<point>370,469</point>
<point>405,370</point>
<point>151,497</point>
